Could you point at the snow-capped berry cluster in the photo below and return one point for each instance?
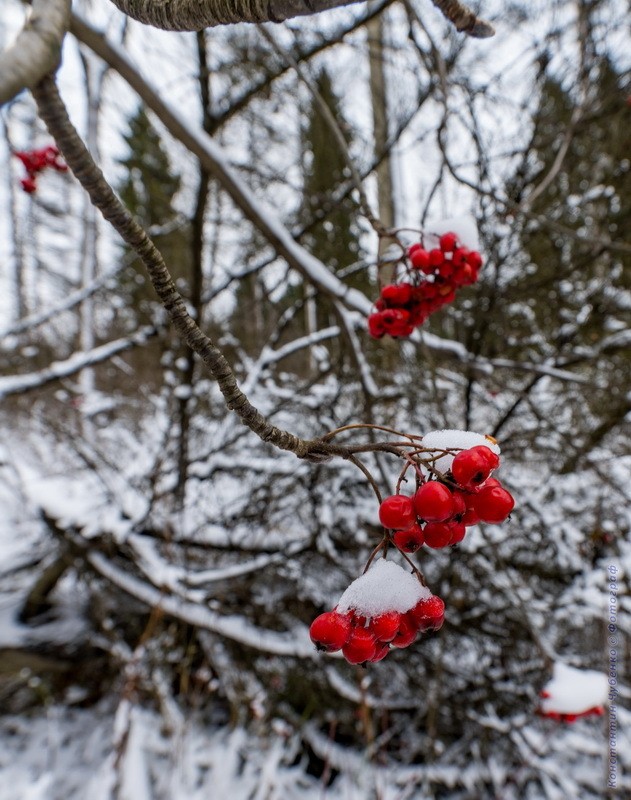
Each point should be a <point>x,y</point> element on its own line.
<point>431,278</point>
<point>573,693</point>
<point>441,509</point>
<point>388,606</point>
<point>35,161</point>
<point>384,608</point>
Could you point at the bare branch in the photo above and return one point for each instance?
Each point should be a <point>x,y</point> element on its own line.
<point>464,19</point>
<point>36,51</point>
<point>53,111</point>
<point>210,156</point>
<point>193,15</point>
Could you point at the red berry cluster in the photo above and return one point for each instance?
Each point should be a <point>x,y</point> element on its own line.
<point>37,160</point>
<point>432,280</point>
<point>362,639</point>
<point>441,510</point>
<point>597,711</point>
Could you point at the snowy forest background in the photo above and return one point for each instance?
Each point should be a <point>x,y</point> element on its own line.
<point>159,564</point>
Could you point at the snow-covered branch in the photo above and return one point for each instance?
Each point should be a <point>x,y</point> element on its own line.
<point>295,643</point>
<point>37,49</point>
<point>214,160</point>
<point>16,384</point>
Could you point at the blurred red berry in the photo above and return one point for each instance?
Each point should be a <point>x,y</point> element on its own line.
<point>448,242</point>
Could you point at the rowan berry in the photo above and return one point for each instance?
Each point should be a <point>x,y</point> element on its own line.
<point>330,631</point>
<point>397,512</point>
<point>434,502</point>
<point>360,647</point>
<point>493,504</point>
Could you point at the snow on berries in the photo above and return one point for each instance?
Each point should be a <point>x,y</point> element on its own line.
<point>425,280</point>
<point>573,693</point>
<point>454,488</point>
<point>35,161</point>
<point>386,607</point>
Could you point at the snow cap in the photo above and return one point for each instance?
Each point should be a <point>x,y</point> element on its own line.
<point>445,439</point>
<point>385,587</point>
<point>573,691</point>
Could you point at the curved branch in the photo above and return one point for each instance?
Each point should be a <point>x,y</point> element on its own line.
<point>53,111</point>
<point>210,156</point>
<point>464,20</point>
<point>36,52</point>
<point>193,15</point>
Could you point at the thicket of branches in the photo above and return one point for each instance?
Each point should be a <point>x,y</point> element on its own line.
<point>168,390</point>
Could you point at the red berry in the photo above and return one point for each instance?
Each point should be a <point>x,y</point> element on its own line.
<point>397,294</point>
<point>385,626</point>
<point>460,505</point>
<point>376,327</point>
<point>428,613</point>
<point>410,539</point>
<point>458,531</point>
<point>418,315</point>
<point>397,512</point>
<point>28,184</point>
<point>434,502</point>
<point>465,275</point>
<point>448,242</point>
<point>470,275</point>
<point>492,459</point>
<point>470,517</point>
<point>493,504</point>
<point>360,647</point>
<point>420,259</point>
<point>330,631</point>
<point>446,269</point>
<point>446,293</point>
<point>437,534</point>
<point>436,257</point>
<point>381,651</point>
<point>459,258</point>
<point>470,468</point>
<point>474,259</point>
<point>358,620</point>
<point>396,321</point>
<point>407,633</point>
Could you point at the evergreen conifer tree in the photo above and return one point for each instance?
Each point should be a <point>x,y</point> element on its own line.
<point>148,191</point>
